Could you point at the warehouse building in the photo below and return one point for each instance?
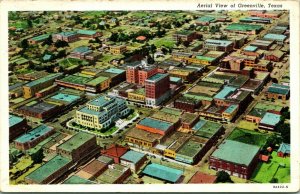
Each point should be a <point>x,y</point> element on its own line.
<point>241,28</point>
<point>40,110</point>
<point>35,86</point>
<point>17,126</point>
<point>50,171</point>
<point>79,148</point>
<point>230,157</point>
<point>33,137</point>
<point>167,174</point>
<point>155,126</point>
<point>278,91</point>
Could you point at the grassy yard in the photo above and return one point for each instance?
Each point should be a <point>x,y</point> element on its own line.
<point>264,172</point>
<point>159,42</point>
<point>76,44</point>
<point>68,62</point>
<point>247,125</point>
<point>247,136</point>
<point>19,24</point>
<point>21,179</point>
<point>106,58</point>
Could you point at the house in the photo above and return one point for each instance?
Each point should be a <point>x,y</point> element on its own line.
<point>141,38</point>
<point>115,152</point>
<point>284,150</point>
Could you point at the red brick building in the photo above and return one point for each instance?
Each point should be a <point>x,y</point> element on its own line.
<point>157,89</point>
<point>17,126</point>
<point>115,152</point>
<point>33,137</point>
<point>230,157</point>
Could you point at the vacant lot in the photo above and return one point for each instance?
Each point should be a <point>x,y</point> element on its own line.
<point>277,167</point>
<point>249,137</point>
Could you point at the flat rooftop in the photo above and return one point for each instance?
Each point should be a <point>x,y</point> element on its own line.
<point>34,134</point>
<point>257,112</point>
<point>97,81</point>
<point>231,108</point>
<point>77,180</point>
<point>115,70</point>
<point>218,42</point>
<point>188,117</point>
<point>75,79</point>
<point>206,128</point>
<point>50,167</point>
<point>190,148</point>
<point>277,37</point>
<point>234,152</point>
<point>226,91</point>
<point>39,107</point>
<point>270,119</point>
<point>157,77</point>
<point>143,135</point>
<point>267,106</point>
<point>154,123</point>
<point>65,97</point>
<point>13,120</point>
<point>279,89</point>
<point>43,79</point>
<point>165,116</point>
<point>76,141</point>
<point>173,111</point>
<point>133,156</point>
<point>163,172</point>
<point>250,48</point>
<point>243,27</point>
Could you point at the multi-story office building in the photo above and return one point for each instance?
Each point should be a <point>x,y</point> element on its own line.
<point>157,89</point>
<point>101,112</point>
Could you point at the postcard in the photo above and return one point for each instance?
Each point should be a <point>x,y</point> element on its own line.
<point>151,96</point>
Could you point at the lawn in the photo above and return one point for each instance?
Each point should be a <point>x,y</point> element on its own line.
<point>19,24</point>
<point>167,42</point>
<point>264,172</point>
<point>21,179</point>
<point>249,137</point>
<point>68,62</point>
<point>78,43</point>
<point>108,57</point>
<point>247,125</point>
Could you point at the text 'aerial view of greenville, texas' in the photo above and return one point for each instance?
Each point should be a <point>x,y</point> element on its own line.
<point>149,97</point>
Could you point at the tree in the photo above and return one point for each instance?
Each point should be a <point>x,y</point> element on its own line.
<point>274,80</point>
<point>29,23</point>
<point>285,113</point>
<point>284,130</point>
<point>38,156</point>
<point>186,43</point>
<point>223,177</point>
<point>24,44</point>
<point>48,41</point>
<point>60,43</point>
<point>274,180</point>
<point>114,37</point>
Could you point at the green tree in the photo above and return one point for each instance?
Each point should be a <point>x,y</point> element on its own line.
<point>114,37</point>
<point>24,44</point>
<point>223,177</point>
<point>29,23</point>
